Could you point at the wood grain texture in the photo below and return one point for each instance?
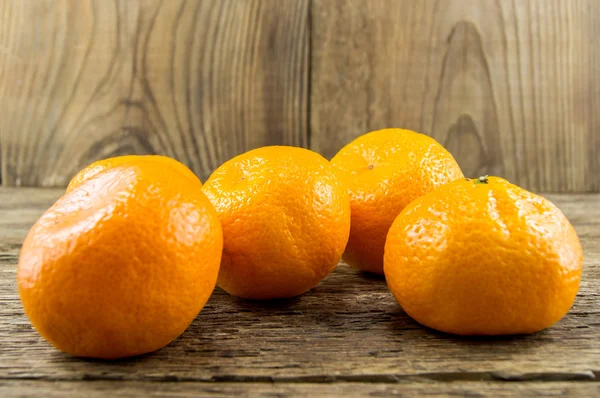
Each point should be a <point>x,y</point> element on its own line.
<point>511,88</point>
<point>200,81</point>
<point>50,389</point>
<point>345,337</point>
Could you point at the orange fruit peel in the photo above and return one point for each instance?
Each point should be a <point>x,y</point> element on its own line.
<point>385,170</point>
<point>123,262</point>
<point>285,217</point>
<point>483,257</point>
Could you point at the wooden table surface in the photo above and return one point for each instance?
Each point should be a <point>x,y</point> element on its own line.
<point>345,337</point>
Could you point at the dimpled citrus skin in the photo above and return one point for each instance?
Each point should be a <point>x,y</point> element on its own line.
<point>386,170</point>
<point>483,259</point>
<point>285,218</point>
<point>122,263</point>
<point>101,165</point>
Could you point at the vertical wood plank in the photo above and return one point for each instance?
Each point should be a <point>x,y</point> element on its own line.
<point>511,88</point>
<point>200,81</point>
<point>10,13</point>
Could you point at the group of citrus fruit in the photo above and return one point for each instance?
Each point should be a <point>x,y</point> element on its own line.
<point>125,260</point>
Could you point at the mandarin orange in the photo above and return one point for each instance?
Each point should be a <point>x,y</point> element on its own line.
<point>483,257</point>
<point>123,262</point>
<point>386,170</point>
<point>285,218</point>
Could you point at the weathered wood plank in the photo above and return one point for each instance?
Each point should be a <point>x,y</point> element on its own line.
<point>19,209</point>
<point>11,388</point>
<point>349,328</point>
<point>200,81</point>
<point>511,88</point>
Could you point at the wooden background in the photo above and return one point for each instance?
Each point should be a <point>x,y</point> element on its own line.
<point>511,88</point>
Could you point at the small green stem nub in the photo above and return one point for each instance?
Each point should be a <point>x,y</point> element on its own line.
<point>482,180</point>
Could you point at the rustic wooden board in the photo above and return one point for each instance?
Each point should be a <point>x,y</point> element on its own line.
<point>345,337</point>
<point>94,389</point>
<point>200,81</point>
<point>511,88</point>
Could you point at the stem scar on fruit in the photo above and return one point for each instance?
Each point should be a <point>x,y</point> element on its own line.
<point>482,180</point>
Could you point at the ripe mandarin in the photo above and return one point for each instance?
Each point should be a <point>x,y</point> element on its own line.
<point>483,257</point>
<point>385,170</point>
<point>285,218</point>
<point>123,262</point>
